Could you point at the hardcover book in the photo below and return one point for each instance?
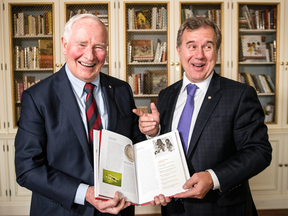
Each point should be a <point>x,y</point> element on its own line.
<point>45,56</point>
<point>141,171</point>
<point>252,47</point>
<point>142,50</point>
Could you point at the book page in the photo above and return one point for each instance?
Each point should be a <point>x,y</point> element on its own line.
<point>116,170</point>
<point>161,167</point>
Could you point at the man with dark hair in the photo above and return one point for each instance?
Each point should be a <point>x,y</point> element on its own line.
<point>221,126</point>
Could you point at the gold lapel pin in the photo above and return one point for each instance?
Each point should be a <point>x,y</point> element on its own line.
<point>110,86</point>
<point>209,97</point>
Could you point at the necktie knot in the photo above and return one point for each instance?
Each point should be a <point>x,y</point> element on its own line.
<point>89,87</point>
<point>191,89</point>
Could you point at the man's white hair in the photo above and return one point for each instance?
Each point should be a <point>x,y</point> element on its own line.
<point>68,26</point>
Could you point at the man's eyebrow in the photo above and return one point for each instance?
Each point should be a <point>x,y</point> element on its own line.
<point>103,44</point>
<point>193,41</point>
<point>210,42</point>
<point>82,42</point>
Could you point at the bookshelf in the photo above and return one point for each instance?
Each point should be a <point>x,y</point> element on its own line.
<point>272,182</point>
<point>257,53</point>
<point>31,45</point>
<point>146,43</point>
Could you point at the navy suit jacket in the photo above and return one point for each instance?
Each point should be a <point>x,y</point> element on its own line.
<point>229,137</point>
<point>52,156</point>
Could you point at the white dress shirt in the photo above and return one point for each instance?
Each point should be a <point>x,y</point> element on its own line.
<point>198,100</point>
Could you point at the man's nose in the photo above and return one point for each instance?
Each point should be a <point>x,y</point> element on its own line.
<point>89,53</point>
<point>199,53</point>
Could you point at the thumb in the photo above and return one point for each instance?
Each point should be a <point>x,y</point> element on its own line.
<point>189,183</point>
<point>153,109</point>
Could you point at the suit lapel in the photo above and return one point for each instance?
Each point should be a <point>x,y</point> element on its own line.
<point>171,103</point>
<point>107,89</point>
<point>65,93</point>
<point>210,101</point>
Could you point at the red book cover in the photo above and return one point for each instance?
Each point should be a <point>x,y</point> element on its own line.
<point>266,23</point>
<point>45,61</point>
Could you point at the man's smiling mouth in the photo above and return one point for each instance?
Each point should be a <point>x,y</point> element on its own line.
<point>198,65</point>
<point>86,65</point>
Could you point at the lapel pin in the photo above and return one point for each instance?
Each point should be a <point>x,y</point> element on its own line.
<point>110,86</point>
<point>209,97</point>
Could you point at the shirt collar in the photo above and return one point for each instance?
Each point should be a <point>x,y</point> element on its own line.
<point>203,86</point>
<point>78,85</point>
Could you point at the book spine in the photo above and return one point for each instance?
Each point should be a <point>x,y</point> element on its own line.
<point>50,24</point>
<point>15,25</point>
<point>154,18</point>
<point>164,52</point>
<point>46,24</point>
<point>17,57</point>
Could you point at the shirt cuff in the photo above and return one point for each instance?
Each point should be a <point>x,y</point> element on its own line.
<point>216,184</point>
<point>148,137</point>
<point>80,194</point>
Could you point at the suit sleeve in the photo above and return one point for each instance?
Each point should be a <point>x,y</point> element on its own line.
<point>31,164</point>
<point>253,150</point>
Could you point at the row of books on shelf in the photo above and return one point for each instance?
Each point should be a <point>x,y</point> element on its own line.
<point>257,19</point>
<point>29,25</point>
<point>142,50</point>
<point>21,85</point>
<point>102,17</point>
<point>154,18</point>
<point>148,82</point>
<point>256,49</point>
<point>34,57</point>
<point>213,15</point>
<point>262,83</point>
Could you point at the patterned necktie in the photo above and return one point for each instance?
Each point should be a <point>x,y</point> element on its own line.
<point>92,114</point>
<point>185,119</point>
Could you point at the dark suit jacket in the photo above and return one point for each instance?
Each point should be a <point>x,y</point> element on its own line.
<point>52,155</point>
<point>229,137</point>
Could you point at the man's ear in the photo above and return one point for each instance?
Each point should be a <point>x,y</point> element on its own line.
<point>64,45</point>
<point>178,50</point>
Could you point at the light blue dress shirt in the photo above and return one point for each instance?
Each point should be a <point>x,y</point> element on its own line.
<point>80,96</point>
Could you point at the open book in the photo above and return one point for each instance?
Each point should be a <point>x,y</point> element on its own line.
<point>138,172</point>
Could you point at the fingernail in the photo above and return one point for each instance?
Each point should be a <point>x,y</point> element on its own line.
<point>184,187</point>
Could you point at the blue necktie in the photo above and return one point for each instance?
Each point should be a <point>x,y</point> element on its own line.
<point>185,119</point>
